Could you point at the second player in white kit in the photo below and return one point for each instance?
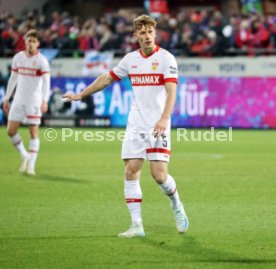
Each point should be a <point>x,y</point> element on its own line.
<point>31,77</point>
<point>153,74</point>
<point>30,91</point>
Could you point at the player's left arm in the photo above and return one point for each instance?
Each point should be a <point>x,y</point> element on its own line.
<point>170,77</point>
<point>46,78</point>
<point>161,125</point>
<point>45,92</point>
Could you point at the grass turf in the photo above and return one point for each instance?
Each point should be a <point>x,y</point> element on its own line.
<point>69,214</point>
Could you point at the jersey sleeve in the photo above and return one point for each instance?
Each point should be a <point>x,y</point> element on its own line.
<point>170,69</point>
<point>14,65</point>
<point>45,67</point>
<point>121,70</point>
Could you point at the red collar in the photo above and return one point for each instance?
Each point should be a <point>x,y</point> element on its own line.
<point>146,56</point>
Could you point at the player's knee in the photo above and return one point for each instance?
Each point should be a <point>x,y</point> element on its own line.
<point>11,132</point>
<point>131,173</point>
<point>159,176</point>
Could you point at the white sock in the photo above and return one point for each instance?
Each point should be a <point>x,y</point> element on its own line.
<point>133,196</point>
<point>169,188</point>
<point>33,151</point>
<point>19,145</point>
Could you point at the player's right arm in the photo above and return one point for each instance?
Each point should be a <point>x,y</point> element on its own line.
<point>118,72</point>
<point>97,85</point>
<point>10,89</point>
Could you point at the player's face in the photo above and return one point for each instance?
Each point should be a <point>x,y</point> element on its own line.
<point>146,37</point>
<point>32,44</point>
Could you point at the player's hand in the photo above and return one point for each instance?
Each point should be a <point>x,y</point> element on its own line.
<point>6,107</point>
<point>72,97</point>
<point>160,127</point>
<point>44,107</point>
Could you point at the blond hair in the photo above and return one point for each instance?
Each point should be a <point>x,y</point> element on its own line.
<point>143,20</point>
<point>32,33</point>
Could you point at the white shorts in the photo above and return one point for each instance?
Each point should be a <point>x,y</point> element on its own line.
<point>27,114</point>
<point>142,145</point>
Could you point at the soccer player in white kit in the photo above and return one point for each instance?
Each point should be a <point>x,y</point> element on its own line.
<point>153,75</point>
<point>31,77</point>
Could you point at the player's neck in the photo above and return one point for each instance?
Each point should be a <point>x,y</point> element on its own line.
<point>31,53</point>
<point>148,51</point>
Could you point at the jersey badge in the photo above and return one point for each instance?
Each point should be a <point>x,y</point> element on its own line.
<point>154,65</point>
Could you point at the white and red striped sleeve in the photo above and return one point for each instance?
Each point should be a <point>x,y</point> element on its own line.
<point>170,69</point>
<point>45,72</point>
<point>45,67</point>
<point>13,78</point>
<point>14,65</point>
<point>121,70</point>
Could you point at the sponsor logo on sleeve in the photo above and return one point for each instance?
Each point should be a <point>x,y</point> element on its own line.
<point>173,70</point>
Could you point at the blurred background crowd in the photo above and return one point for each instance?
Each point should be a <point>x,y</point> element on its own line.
<point>193,32</point>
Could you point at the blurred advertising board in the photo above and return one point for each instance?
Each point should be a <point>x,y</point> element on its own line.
<point>238,92</point>
<point>201,102</point>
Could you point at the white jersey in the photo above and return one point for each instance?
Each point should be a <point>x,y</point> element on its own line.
<point>29,83</point>
<point>148,75</point>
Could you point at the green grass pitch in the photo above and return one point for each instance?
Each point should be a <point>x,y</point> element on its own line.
<point>69,214</point>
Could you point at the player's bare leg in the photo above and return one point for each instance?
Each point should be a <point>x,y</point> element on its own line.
<point>159,171</point>
<point>133,196</point>
<point>33,148</point>
<point>12,131</point>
